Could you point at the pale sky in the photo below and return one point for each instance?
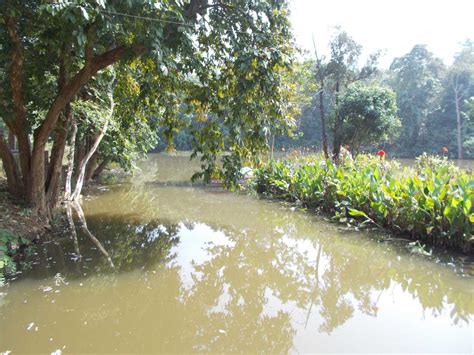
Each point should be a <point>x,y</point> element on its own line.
<point>391,25</point>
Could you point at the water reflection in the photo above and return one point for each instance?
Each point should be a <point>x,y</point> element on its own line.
<point>201,270</point>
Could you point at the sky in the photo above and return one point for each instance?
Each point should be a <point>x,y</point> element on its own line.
<point>393,26</point>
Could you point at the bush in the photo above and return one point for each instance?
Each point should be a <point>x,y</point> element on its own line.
<point>431,202</point>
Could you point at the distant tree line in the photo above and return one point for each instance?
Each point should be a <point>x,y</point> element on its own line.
<point>434,103</point>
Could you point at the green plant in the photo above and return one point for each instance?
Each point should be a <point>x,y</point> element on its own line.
<point>9,247</point>
<point>430,202</point>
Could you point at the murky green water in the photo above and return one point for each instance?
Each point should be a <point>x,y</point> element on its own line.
<point>200,269</point>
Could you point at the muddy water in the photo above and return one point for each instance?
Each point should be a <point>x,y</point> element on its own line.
<point>200,269</point>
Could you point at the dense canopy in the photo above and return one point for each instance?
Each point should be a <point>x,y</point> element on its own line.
<point>221,61</point>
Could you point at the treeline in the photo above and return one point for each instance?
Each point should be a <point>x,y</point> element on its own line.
<point>417,105</point>
<point>435,102</point>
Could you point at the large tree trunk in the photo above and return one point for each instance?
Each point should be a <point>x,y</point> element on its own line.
<point>54,175</point>
<point>14,184</point>
<point>19,124</point>
<point>53,180</point>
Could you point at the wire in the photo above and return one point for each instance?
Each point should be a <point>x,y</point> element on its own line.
<point>158,20</point>
<point>147,18</point>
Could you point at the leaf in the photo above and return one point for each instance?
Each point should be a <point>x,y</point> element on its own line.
<point>467,205</point>
<point>356,213</point>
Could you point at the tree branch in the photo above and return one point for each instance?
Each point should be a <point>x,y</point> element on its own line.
<point>76,83</point>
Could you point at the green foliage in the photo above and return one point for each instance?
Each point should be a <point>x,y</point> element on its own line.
<point>416,79</point>
<point>431,202</point>
<point>369,115</point>
<point>9,247</point>
<point>227,63</point>
<point>441,124</point>
<point>425,99</point>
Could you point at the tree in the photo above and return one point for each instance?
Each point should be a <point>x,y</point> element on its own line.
<point>321,74</point>
<point>342,69</point>
<point>461,80</point>
<point>448,124</point>
<point>416,79</point>
<point>369,115</point>
<point>229,56</point>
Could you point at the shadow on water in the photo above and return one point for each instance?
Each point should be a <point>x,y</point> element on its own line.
<point>127,245</point>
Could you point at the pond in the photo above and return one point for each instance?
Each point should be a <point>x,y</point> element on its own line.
<point>191,268</point>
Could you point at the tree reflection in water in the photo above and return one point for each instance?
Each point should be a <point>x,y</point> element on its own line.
<point>220,283</point>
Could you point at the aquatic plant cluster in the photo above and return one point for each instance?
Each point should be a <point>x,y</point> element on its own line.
<point>431,202</point>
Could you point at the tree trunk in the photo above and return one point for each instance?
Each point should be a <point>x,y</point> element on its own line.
<point>320,75</point>
<point>90,168</point>
<point>53,181</point>
<point>11,140</point>
<point>79,153</point>
<point>14,184</point>
<point>70,159</point>
<point>337,129</point>
<point>458,123</point>
<point>100,168</point>
<point>323,123</point>
<point>81,169</point>
<point>18,126</point>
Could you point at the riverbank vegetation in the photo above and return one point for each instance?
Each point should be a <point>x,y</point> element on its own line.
<point>430,202</point>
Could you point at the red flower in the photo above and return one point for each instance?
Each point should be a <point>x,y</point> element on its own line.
<point>381,153</point>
